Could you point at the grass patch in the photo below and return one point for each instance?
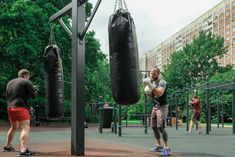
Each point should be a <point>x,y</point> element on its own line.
<point>134,122</point>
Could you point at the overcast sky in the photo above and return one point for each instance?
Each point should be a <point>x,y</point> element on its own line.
<point>155,20</point>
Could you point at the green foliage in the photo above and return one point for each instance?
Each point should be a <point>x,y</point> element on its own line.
<point>97,78</point>
<point>24,33</point>
<point>223,77</point>
<point>23,36</point>
<point>196,61</point>
<point>136,111</point>
<point>193,65</point>
<point>222,96</point>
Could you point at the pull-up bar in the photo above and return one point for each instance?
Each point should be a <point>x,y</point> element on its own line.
<point>61,12</point>
<point>78,67</point>
<point>209,87</point>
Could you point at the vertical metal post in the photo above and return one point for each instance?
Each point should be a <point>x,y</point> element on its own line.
<point>233,108</point>
<point>218,111</point>
<point>196,125</point>
<point>145,110</point>
<point>78,68</point>
<point>176,110</point>
<point>115,118</point>
<point>119,120</point>
<point>145,96</point>
<point>209,110</point>
<point>222,111</point>
<point>126,115</point>
<point>145,114</point>
<point>171,108</point>
<point>101,116</point>
<point>207,107</point>
<point>187,107</point>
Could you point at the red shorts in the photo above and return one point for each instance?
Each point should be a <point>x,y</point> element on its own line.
<point>18,114</point>
<point>196,116</point>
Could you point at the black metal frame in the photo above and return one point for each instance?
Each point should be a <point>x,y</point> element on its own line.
<point>77,34</point>
<point>146,74</point>
<point>230,87</point>
<point>208,87</point>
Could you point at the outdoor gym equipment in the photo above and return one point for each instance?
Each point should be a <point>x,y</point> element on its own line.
<point>214,86</point>
<point>106,118</point>
<point>228,87</point>
<point>123,50</point>
<point>54,81</point>
<point>77,34</point>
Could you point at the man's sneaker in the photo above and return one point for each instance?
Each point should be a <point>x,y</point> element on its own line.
<point>27,152</point>
<point>165,152</point>
<point>189,132</point>
<point>200,132</point>
<point>8,149</point>
<point>156,149</point>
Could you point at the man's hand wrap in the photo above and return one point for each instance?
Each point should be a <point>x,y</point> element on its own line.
<point>147,82</point>
<point>147,90</point>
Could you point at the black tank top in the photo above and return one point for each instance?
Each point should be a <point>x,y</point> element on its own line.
<point>162,100</point>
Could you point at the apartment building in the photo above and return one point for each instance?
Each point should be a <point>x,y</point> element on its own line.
<point>220,20</point>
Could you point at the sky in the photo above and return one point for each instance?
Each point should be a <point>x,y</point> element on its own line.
<point>155,20</point>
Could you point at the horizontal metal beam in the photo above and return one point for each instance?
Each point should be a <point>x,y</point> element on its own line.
<point>199,86</point>
<point>65,10</point>
<point>61,12</point>
<point>223,86</point>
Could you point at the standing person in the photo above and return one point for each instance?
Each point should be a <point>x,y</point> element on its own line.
<point>196,115</point>
<point>18,91</point>
<point>156,89</point>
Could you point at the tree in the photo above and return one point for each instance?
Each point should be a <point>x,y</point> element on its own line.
<point>24,33</point>
<point>196,61</point>
<point>97,78</point>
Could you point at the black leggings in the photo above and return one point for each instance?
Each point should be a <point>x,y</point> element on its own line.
<point>163,132</point>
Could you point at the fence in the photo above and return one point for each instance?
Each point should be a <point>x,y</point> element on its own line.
<point>38,114</point>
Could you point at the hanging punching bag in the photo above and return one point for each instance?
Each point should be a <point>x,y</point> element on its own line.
<point>54,81</point>
<point>123,51</point>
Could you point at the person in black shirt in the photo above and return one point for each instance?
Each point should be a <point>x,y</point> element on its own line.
<point>18,91</point>
<point>156,89</point>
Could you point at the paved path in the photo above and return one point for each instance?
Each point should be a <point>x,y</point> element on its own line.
<point>55,142</point>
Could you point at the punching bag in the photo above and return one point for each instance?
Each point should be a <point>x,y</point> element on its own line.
<point>54,81</point>
<point>123,52</point>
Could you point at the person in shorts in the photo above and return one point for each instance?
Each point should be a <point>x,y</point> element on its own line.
<point>156,89</point>
<point>196,115</point>
<point>18,91</point>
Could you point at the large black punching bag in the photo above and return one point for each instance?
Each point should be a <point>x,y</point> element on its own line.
<point>123,52</point>
<point>54,81</point>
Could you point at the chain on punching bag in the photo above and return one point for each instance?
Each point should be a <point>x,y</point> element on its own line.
<point>54,80</point>
<point>123,51</point>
